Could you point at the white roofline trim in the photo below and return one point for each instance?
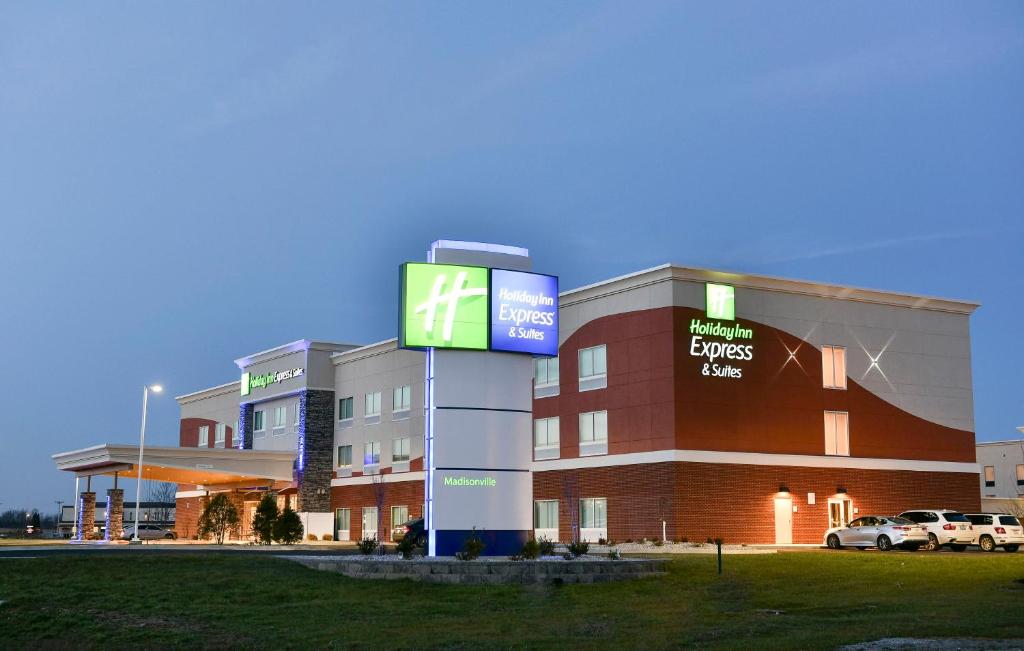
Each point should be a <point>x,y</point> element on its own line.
<point>666,272</point>
<point>212,391</point>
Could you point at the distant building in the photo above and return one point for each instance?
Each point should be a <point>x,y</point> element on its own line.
<point>1001,474</point>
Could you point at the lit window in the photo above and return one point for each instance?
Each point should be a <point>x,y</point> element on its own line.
<point>399,516</point>
<point>204,436</point>
<point>345,410</point>
<point>371,453</point>
<point>593,368</point>
<point>400,449</point>
<point>545,377</point>
<point>403,396</point>
<point>218,434</point>
<point>344,456</point>
<point>990,476</point>
<point>833,367</point>
<point>280,417</point>
<point>546,438</point>
<point>295,411</point>
<point>837,433</point>
<point>257,423</point>
<point>545,514</point>
<point>593,513</point>
<point>372,406</point>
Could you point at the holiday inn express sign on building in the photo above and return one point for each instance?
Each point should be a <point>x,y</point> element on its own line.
<point>477,308</point>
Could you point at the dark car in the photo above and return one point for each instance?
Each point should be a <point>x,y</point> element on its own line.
<point>412,528</point>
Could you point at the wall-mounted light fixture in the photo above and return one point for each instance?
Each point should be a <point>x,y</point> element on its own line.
<point>783,488</point>
<point>840,490</point>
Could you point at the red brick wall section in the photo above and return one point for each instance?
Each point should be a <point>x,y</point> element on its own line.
<point>736,502</point>
<point>186,516</point>
<point>402,493</point>
<point>188,432</point>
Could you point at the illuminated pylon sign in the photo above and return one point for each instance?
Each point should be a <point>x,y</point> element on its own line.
<point>721,302</point>
<point>454,294</point>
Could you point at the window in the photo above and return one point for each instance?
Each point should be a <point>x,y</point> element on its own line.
<point>218,434</point>
<point>990,476</point>
<point>399,516</point>
<point>403,396</point>
<point>342,523</point>
<point>545,377</point>
<point>833,367</point>
<point>369,522</point>
<point>593,433</point>
<point>400,449</point>
<point>280,419</point>
<point>837,433</point>
<point>345,408</point>
<point>371,453</point>
<point>593,513</point>
<point>258,425</point>
<point>237,435</point>
<point>344,456</point>
<point>372,407</point>
<point>593,368</point>
<point>545,438</point>
<point>545,514</point>
<point>1009,521</point>
<point>204,436</point>
<point>295,411</point>
<point>1020,474</point>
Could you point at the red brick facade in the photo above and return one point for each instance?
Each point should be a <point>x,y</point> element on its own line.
<point>356,497</point>
<point>736,502</point>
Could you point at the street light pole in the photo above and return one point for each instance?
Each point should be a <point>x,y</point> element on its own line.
<point>142,443</point>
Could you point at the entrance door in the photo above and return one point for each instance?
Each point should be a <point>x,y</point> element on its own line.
<point>342,524</point>
<point>840,512</point>
<point>783,521</point>
<point>370,522</point>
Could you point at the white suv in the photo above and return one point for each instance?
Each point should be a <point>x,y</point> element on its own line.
<point>996,530</point>
<point>944,527</point>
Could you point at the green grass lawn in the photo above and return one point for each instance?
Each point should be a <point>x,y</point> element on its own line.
<point>796,600</point>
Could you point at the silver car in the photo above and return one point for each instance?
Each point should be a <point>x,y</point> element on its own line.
<point>148,532</point>
<point>882,531</point>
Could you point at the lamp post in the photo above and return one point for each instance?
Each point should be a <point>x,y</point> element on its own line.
<point>156,388</point>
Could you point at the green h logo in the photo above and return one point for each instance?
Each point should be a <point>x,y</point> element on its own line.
<point>721,302</point>
<point>444,306</point>
<point>246,388</point>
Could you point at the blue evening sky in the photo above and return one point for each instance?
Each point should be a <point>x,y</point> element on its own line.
<point>185,183</point>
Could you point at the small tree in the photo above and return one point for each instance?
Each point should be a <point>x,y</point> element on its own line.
<point>288,527</point>
<point>219,516</point>
<point>36,524</point>
<point>264,518</point>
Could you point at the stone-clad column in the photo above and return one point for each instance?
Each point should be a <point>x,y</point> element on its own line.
<point>244,433</point>
<point>86,515</point>
<point>314,465</point>
<point>115,513</point>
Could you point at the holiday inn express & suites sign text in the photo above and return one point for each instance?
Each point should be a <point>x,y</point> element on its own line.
<point>476,308</point>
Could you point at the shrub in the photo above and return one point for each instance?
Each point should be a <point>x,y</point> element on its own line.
<point>531,550</point>
<point>516,557</point>
<point>659,543</point>
<point>311,537</point>
<point>578,548</point>
<point>471,548</point>
<point>328,537</point>
<point>602,541</point>
<point>288,527</point>
<point>684,540</point>
<point>406,546</point>
<point>546,546</point>
<point>263,519</point>
<point>614,554</point>
<point>219,516</point>
<point>366,546</point>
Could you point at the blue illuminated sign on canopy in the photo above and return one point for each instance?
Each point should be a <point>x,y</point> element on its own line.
<point>524,312</point>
